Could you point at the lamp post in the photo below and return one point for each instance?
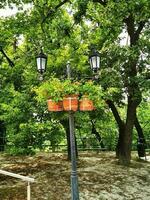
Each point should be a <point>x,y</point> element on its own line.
<point>94,60</point>
<point>41,68</point>
<point>74,176</point>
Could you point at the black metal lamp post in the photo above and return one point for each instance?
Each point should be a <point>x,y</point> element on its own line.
<point>41,60</point>
<point>74,176</point>
<point>94,59</point>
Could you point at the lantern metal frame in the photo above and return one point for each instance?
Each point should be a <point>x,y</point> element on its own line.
<point>41,67</point>
<point>94,57</point>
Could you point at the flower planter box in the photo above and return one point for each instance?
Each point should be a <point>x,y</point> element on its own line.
<point>86,104</point>
<point>55,106</point>
<point>70,103</point>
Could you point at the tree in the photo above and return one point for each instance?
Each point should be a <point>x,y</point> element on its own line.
<point>109,19</point>
<point>66,30</point>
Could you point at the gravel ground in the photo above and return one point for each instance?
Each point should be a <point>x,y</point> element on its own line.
<point>99,176</point>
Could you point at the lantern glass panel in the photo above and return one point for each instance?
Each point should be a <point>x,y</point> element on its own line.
<point>41,63</point>
<point>38,63</point>
<point>98,62</point>
<point>94,62</point>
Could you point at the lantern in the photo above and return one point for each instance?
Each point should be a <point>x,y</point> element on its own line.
<point>94,59</point>
<point>41,60</point>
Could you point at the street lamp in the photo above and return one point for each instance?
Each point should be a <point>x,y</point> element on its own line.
<point>41,60</point>
<point>94,59</point>
<point>41,68</point>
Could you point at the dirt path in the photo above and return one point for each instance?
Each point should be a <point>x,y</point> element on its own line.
<point>100,178</point>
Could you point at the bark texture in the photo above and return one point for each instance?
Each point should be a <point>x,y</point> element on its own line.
<point>2,136</point>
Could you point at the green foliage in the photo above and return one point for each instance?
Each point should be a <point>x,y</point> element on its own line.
<point>71,88</point>
<point>93,91</point>
<point>34,135</point>
<point>55,89</point>
<point>67,33</point>
<point>52,89</point>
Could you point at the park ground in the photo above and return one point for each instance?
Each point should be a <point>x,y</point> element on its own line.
<point>99,175</point>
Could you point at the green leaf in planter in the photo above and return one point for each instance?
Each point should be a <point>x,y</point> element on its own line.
<point>94,92</point>
<point>52,89</point>
<point>71,88</point>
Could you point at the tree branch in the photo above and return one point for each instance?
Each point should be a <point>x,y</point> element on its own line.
<point>102,2</point>
<point>97,135</point>
<point>11,63</point>
<point>138,31</point>
<point>130,25</point>
<point>115,113</point>
<point>52,11</point>
<point>134,34</point>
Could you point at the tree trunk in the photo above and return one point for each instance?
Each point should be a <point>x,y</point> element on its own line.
<point>2,136</point>
<point>123,148</point>
<point>53,145</point>
<point>141,143</point>
<point>139,130</point>
<point>120,123</point>
<point>126,142</point>
<point>120,138</point>
<point>97,135</point>
<point>134,94</point>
